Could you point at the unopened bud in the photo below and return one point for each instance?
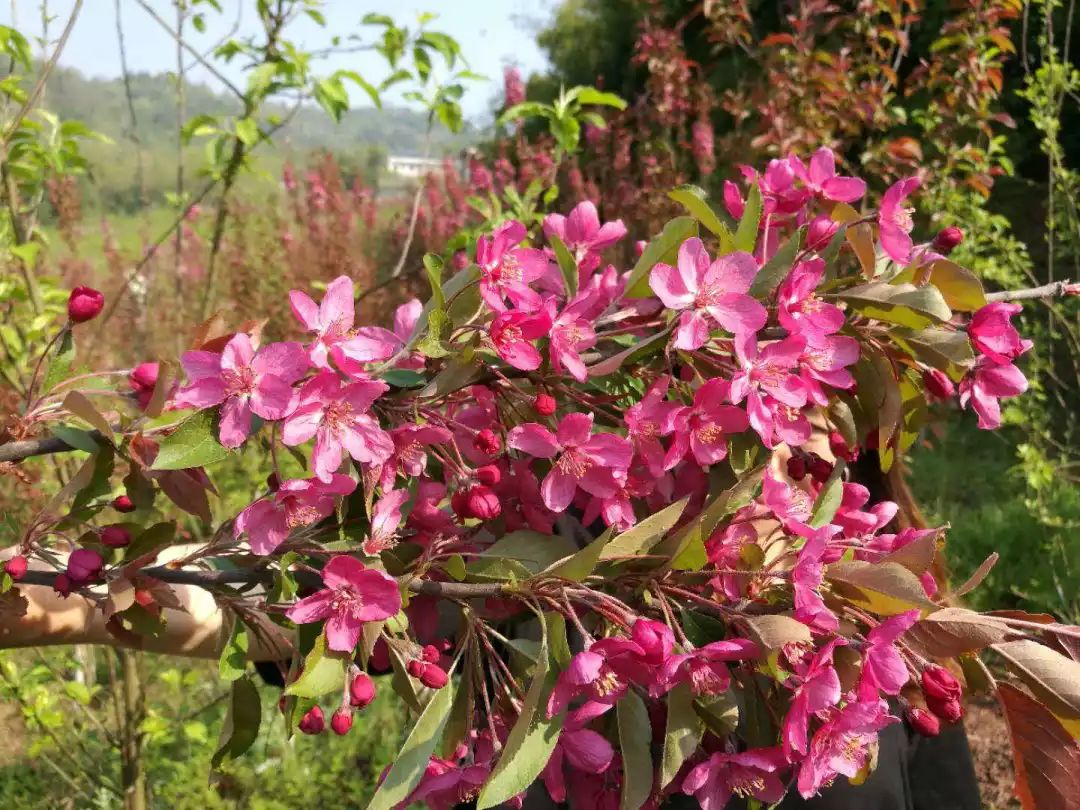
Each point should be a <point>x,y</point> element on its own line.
<point>487,441</point>
<point>313,722</point>
<point>544,404</point>
<point>62,584</point>
<point>433,676</point>
<point>820,470</point>
<point>85,304</point>
<point>796,468</point>
<point>115,536</point>
<point>84,565</point>
<point>16,567</point>
<point>947,240</point>
<point>415,667</point>
<point>820,232</point>
<point>273,482</point>
<point>341,722</point>
<point>923,722</point>
<point>122,503</point>
<point>488,475</point>
<point>839,447</point>
<point>938,383</point>
<point>430,653</point>
<point>483,503</point>
<point>361,690</point>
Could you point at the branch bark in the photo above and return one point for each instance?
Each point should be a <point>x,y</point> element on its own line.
<point>1056,289</point>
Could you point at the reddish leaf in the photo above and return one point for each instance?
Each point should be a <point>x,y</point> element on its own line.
<point>1046,757</point>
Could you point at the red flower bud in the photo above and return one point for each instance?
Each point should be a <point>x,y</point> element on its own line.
<point>415,667</point>
<point>122,503</point>
<point>379,661</point>
<point>361,690</point>
<point>273,482</point>
<point>430,653</point>
<point>484,503</point>
<point>433,676</point>
<point>796,468</point>
<point>84,304</point>
<point>940,684</point>
<point>459,502</point>
<point>16,567</point>
<point>839,447</point>
<point>639,247</point>
<point>948,710</point>
<point>84,565</point>
<point>313,722</point>
<point>115,536</point>
<point>820,470</point>
<point>488,475</point>
<point>487,441</point>
<point>923,722</point>
<point>544,404</point>
<point>62,584</point>
<point>341,722</point>
<point>938,383</point>
<point>947,240</point>
<point>872,441</point>
<point>143,380</point>
<point>821,231</point>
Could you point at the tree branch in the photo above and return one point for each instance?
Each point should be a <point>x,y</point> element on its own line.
<point>1056,289</point>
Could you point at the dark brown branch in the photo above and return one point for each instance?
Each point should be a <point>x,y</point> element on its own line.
<point>1056,289</point>
<point>17,451</point>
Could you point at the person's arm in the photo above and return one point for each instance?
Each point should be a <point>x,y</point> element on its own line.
<point>198,631</point>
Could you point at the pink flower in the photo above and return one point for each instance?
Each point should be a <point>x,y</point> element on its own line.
<point>583,750</point>
<point>584,460</point>
<point>353,595</point>
<point>571,334</point>
<point>648,420</point>
<point>703,427</point>
<point>583,234</point>
<point>243,382</point>
<point>385,521</point>
<point>706,668</point>
<point>297,502</point>
<point>506,271</point>
<point>806,578</point>
<point>617,509</point>
<point>842,745</point>
<point>600,674</point>
<point>448,784</point>
<point>801,311</point>
<point>856,522</point>
<point>708,292</point>
<point>985,384</point>
<point>523,505</point>
<point>883,668</point>
<point>84,565</point>
<point>409,458</point>
<point>817,688</point>
<point>992,333</point>
<point>775,394</point>
<point>894,220</point>
<point>405,318</point>
<point>512,333</point>
<point>749,774</point>
<point>337,416</point>
<point>825,360</point>
<point>332,322</point>
<point>822,179</point>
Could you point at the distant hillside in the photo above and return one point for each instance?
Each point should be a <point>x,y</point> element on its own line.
<point>102,104</point>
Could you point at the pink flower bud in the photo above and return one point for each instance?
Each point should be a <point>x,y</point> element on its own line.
<point>460,260</point>
<point>433,676</point>
<point>820,469</point>
<point>84,304</point>
<point>483,503</point>
<point>341,722</point>
<point>459,502</point>
<point>821,231</point>
<point>948,710</point>
<point>361,690</point>
<point>923,722</point>
<point>947,240</point>
<point>938,383</point>
<point>487,441</point>
<point>839,447</point>
<point>142,380</point>
<point>415,667</point>
<point>122,503</point>
<point>544,404</point>
<point>639,247</point>
<point>940,684</point>
<point>796,468</point>
<point>488,475</point>
<point>313,722</point>
<point>379,661</point>
<point>430,653</point>
<point>115,536</point>
<point>84,565</point>
<point>16,567</point>
<point>62,584</point>
<point>655,638</point>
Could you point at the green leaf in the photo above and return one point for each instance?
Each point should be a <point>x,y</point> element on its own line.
<point>324,671</point>
<point>403,378</point>
<point>590,95</point>
<point>535,551</point>
<point>412,759</point>
<point>247,130</point>
<point>683,733</point>
<point>73,437</point>
<point>960,288</point>
<point>60,362</point>
<point>193,444</point>
<point>663,248</point>
<point>904,304</point>
<point>945,349</point>
<point>567,266</point>
<point>578,566</point>
<point>154,538</point>
<point>700,628</point>
<point>646,534</point>
<point>531,741</point>
<point>241,727</point>
<point>233,661</point>
<point>777,268</point>
<point>696,202</point>
<point>635,739</point>
<point>883,588</point>
<point>433,266</point>
<point>828,500</point>
<point>747,232</point>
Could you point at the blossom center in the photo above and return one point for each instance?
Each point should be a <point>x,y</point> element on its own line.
<point>338,415</point>
<point>574,462</point>
<point>346,600</point>
<point>745,783</point>
<point>239,381</point>
<point>709,433</point>
<point>298,513</point>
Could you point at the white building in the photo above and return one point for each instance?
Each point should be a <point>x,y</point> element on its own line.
<point>411,166</point>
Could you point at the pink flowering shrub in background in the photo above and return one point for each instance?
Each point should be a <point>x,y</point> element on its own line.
<point>576,506</point>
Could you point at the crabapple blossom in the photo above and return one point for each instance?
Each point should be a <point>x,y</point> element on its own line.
<point>583,234</point>
<point>294,504</point>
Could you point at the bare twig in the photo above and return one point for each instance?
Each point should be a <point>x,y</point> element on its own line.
<point>1055,289</point>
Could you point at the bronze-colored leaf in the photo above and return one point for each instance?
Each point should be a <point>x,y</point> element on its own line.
<point>1053,678</point>
<point>1046,757</point>
<point>953,631</point>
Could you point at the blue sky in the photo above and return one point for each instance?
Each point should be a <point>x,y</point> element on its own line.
<point>492,33</point>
